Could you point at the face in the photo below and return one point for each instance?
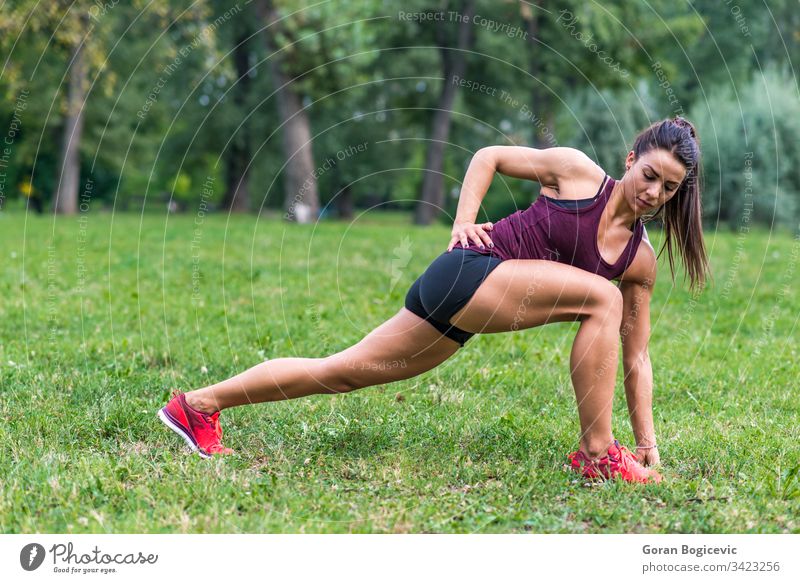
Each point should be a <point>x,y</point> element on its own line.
<point>654,179</point>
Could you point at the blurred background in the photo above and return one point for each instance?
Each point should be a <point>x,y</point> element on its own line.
<point>315,110</point>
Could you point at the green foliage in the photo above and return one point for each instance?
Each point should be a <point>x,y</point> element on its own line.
<point>164,99</point>
<point>330,45</point>
<point>751,153</point>
<point>604,123</point>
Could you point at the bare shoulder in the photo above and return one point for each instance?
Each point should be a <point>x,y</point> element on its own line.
<point>556,167</point>
<point>571,155</point>
<point>578,176</point>
<point>643,269</point>
<point>574,164</point>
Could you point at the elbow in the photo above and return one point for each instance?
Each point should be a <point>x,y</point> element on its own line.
<point>486,156</point>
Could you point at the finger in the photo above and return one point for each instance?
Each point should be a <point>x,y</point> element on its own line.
<point>486,239</point>
<point>453,241</point>
<point>463,240</point>
<point>488,226</point>
<point>476,238</point>
<point>472,235</point>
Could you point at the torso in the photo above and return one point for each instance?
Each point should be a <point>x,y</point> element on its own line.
<point>642,269</point>
<point>547,230</point>
<point>610,243</point>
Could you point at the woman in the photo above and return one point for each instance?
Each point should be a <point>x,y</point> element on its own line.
<point>551,262</point>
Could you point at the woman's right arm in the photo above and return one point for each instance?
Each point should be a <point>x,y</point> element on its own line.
<point>544,166</point>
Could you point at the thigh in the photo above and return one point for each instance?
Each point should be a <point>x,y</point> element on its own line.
<point>402,347</point>
<point>523,293</point>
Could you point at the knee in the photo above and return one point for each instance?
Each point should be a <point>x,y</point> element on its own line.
<point>606,302</point>
<point>338,377</point>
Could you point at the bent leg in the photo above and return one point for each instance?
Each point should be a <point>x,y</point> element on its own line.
<point>521,294</point>
<point>402,347</point>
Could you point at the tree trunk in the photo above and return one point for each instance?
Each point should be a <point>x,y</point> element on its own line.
<point>301,202</point>
<point>66,198</point>
<point>344,203</point>
<point>237,191</point>
<point>543,129</point>
<point>454,63</point>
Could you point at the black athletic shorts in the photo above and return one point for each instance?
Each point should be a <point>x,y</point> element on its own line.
<point>446,286</point>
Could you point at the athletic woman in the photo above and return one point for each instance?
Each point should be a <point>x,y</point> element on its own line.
<point>552,262</point>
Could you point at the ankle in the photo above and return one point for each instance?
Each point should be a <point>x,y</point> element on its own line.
<point>200,403</point>
<point>595,448</point>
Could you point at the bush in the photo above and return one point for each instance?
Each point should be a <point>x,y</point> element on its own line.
<point>603,124</point>
<point>750,150</point>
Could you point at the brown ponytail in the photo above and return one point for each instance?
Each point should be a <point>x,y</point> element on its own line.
<point>682,214</point>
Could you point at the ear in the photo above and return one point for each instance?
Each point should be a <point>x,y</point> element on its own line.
<point>629,160</point>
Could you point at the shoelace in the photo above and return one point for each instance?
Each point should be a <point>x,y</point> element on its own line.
<point>629,462</point>
<point>586,463</point>
<point>624,460</point>
<point>630,455</point>
<point>213,420</point>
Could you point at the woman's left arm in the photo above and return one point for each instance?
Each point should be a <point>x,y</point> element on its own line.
<point>637,290</point>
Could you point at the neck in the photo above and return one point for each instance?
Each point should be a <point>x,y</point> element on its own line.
<point>619,211</point>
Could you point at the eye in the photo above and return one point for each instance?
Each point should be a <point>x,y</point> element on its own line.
<point>646,175</point>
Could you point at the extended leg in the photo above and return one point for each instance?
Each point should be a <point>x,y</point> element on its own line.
<point>402,347</point>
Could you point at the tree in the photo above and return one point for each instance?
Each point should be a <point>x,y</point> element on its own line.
<point>239,155</point>
<point>73,37</point>
<point>594,47</point>
<point>301,203</point>
<point>66,197</point>
<point>78,36</point>
<point>311,56</point>
<point>453,40</point>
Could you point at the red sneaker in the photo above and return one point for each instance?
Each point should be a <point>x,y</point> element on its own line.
<point>619,462</point>
<point>202,432</point>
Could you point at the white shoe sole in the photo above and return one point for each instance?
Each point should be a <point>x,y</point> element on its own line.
<point>179,430</point>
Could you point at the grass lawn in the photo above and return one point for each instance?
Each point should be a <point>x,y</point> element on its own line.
<point>102,316</point>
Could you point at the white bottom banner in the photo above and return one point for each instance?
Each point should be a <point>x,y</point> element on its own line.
<point>390,558</point>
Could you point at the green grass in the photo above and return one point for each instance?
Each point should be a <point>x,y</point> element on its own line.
<point>99,322</point>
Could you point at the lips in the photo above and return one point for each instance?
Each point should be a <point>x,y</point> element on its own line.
<point>644,204</point>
